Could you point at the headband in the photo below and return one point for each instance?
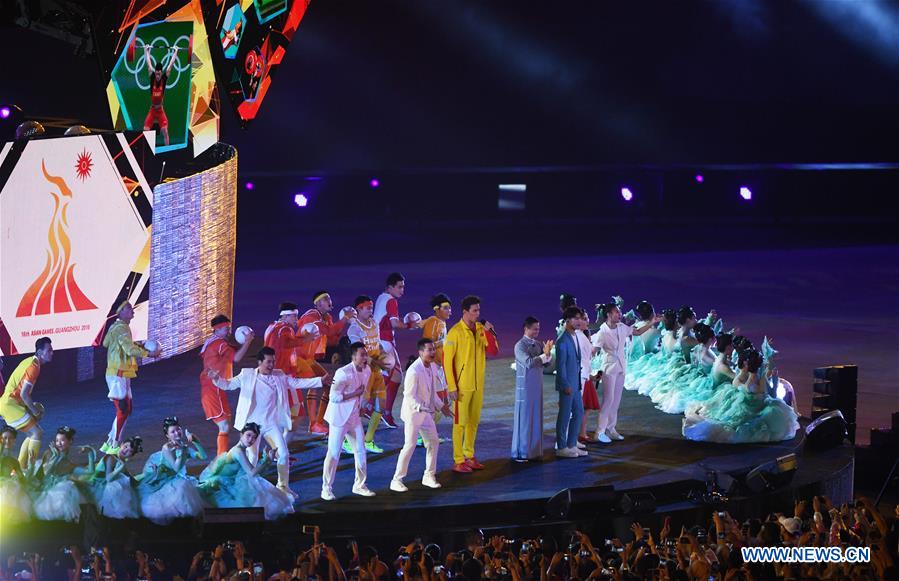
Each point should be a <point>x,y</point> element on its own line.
<point>441,305</point>
<point>121,306</point>
<point>319,297</point>
<point>222,324</point>
<point>363,303</point>
<point>289,312</point>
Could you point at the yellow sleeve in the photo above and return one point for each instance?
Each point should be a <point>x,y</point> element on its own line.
<point>449,354</point>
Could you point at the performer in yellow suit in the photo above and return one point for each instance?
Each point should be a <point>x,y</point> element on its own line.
<point>464,362</point>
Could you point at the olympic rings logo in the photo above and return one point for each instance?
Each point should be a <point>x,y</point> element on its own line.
<point>140,64</point>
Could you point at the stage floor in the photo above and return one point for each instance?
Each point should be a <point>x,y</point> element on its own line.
<point>653,453</point>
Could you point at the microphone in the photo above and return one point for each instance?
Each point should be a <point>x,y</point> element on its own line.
<point>484,321</point>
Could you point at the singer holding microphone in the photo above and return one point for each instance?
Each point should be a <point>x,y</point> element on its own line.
<point>465,353</point>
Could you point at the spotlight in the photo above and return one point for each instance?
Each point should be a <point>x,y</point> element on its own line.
<point>248,185</point>
<point>5,112</point>
<point>699,179</point>
<point>745,193</point>
<point>301,200</point>
<point>627,194</point>
<point>374,183</point>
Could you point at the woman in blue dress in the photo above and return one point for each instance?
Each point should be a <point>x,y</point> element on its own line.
<point>694,382</point>
<point>643,372</point>
<point>109,481</point>
<point>56,496</point>
<point>166,491</point>
<point>672,375</point>
<point>230,481</point>
<point>742,412</point>
<point>648,342</point>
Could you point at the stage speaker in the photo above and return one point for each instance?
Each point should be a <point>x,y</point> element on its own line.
<point>836,388</point>
<point>772,475</point>
<point>232,523</point>
<point>579,502</point>
<point>637,502</point>
<point>826,431</point>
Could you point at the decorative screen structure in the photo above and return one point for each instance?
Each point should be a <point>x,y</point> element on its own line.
<point>193,252</point>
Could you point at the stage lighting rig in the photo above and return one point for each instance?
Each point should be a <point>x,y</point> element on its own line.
<point>64,20</point>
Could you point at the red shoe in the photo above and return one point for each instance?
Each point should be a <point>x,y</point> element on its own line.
<point>474,464</point>
<point>365,412</point>
<point>320,429</point>
<point>462,468</point>
<point>389,421</point>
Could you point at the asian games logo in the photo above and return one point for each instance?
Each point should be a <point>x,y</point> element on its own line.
<point>55,289</point>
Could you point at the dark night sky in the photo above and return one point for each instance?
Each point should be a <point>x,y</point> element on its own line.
<point>409,84</point>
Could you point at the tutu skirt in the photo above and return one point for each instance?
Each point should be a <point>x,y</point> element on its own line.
<point>59,499</point>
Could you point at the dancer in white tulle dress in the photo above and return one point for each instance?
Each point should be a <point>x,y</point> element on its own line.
<point>166,491</point>
<point>648,342</point>
<point>694,382</point>
<point>110,483</point>
<point>742,412</point>
<point>56,496</point>
<point>230,481</point>
<point>15,504</point>
<point>644,371</point>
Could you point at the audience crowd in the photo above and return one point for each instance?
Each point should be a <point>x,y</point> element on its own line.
<point>706,551</point>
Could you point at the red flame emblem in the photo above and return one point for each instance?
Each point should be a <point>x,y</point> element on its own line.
<point>83,165</point>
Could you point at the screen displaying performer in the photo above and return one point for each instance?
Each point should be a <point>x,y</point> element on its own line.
<point>151,82</point>
<point>158,79</point>
<point>253,39</point>
<point>231,32</point>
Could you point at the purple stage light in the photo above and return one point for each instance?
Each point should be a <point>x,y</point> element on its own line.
<point>627,194</point>
<point>313,178</point>
<point>745,193</point>
<point>248,185</point>
<point>4,112</point>
<point>374,183</point>
<point>301,200</point>
<point>699,179</point>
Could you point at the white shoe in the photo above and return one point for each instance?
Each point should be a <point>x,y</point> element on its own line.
<point>430,482</point>
<point>614,434</point>
<point>398,486</point>
<point>567,453</point>
<point>581,446</point>
<point>328,495</point>
<point>362,491</point>
<point>604,439</point>
<point>582,452</point>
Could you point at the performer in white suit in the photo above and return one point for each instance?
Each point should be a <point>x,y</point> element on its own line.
<point>263,400</point>
<point>343,418</point>
<point>420,401</point>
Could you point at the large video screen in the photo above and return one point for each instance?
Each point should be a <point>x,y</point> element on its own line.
<point>253,37</point>
<point>75,221</point>
<point>162,79</point>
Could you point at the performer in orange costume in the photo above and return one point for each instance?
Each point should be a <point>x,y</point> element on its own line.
<point>219,354</point>
<point>434,328</point>
<point>315,349</point>
<point>286,339</point>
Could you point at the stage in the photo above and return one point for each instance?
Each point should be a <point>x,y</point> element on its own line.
<point>787,305</point>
